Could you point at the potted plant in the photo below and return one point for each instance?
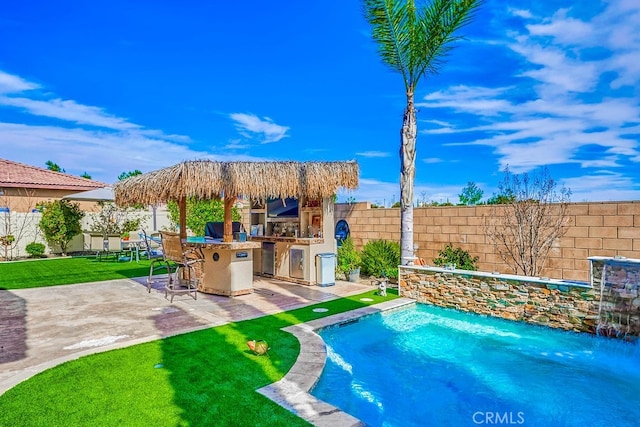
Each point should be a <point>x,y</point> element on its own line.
<point>349,260</point>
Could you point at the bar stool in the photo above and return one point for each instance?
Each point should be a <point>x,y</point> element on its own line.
<point>185,278</point>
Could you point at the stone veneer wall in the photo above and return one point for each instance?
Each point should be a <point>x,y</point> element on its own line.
<point>547,302</point>
<point>595,229</point>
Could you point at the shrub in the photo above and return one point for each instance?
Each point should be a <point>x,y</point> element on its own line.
<point>35,250</point>
<point>348,257</point>
<point>458,256</point>
<point>199,212</point>
<point>381,257</point>
<point>60,221</point>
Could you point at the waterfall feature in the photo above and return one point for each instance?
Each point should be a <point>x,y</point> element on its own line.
<point>619,309</point>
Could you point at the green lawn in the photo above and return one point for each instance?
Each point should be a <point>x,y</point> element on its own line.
<point>66,271</point>
<point>204,378</point>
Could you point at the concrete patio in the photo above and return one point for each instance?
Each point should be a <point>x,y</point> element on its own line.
<point>43,327</point>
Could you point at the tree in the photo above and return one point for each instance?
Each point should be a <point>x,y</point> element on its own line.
<point>199,212</point>
<point>501,199</point>
<point>349,258</point>
<point>531,219</point>
<point>471,194</point>
<point>15,227</point>
<point>125,175</point>
<point>113,219</point>
<point>53,166</point>
<point>85,176</point>
<point>60,222</point>
<point>413,42</point>
<point>458,257</point>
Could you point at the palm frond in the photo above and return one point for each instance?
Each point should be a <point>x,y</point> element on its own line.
<point>388,20</point>
<point>438,24</point>
<point>414,41</point>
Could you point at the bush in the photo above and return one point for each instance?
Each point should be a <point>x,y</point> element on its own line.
<point>199,212</point>
<point>348,257</point>
<point>35,250</point>
<point>60,222</point>
<point>458,256</point>
<point>381,257</point>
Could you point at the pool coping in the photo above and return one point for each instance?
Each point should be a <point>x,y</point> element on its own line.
<point>292,391</point>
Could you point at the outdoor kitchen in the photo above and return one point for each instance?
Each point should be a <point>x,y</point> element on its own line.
<point>290,235</point>
<point>297,237</point>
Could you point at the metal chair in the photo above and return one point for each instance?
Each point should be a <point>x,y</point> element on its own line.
<point>185,278</point>
<point>150,246</point>
<point>158,260</point>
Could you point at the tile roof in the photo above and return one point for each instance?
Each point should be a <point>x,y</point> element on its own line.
<point>19,175</point>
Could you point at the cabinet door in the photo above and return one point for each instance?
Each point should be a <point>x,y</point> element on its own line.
<point>296,263</point>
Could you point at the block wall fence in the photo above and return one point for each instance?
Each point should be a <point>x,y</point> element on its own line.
<point>595,229</point>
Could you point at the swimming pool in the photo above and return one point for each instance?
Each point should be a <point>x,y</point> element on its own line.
<point>426,365</point>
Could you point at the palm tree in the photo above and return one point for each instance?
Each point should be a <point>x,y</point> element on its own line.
<point>413,41</point>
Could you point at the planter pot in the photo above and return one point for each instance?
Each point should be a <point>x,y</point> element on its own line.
<point>354,275</point>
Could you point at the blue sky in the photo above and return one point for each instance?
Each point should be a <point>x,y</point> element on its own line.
<point>107,87</point>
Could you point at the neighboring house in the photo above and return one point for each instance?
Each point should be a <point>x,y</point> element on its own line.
<point>23,186</point>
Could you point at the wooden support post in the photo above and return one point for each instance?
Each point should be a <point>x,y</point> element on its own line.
<point>228,226</point>
<point>182,206</point>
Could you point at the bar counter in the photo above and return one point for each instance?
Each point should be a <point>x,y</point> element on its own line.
<point>293,240</point>
<point>227,268</point>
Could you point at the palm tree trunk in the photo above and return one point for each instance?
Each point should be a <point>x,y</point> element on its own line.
<point>407,176</point>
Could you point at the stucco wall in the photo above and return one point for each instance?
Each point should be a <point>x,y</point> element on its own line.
<point>595,229</point>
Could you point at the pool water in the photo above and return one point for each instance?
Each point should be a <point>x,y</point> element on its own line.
<point>428,366</point>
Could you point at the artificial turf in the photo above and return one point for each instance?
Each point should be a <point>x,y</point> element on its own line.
<point>204,378</point>
<point>66,271</point>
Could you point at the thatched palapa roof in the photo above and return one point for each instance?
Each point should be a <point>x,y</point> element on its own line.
<point>205,179</point>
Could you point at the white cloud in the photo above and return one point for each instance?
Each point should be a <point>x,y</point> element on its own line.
<point>473,100</point>
<point>104,155</point>
<point>371,154</point>
<point>602,186</point>
<point>436,122</point>
<point>249,125</point>
<point>563,29</point>
<point>568,113</point>
<point>555,72</point>
<point>572,119</point>
<point>387,193</point>
<point>118,145</point>
<point>10,83</point>
<point>67,110</point>
<point>521,13</point>
<point>432,160</point>
<point>70,111</point>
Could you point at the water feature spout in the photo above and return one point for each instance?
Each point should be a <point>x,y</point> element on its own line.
<point>619,305</point>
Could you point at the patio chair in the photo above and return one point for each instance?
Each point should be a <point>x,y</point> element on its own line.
<point>158,259</point>
<point>185,278</point>
<point>96,246</point>
<point>151,246</point>
<point>111,247</point>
